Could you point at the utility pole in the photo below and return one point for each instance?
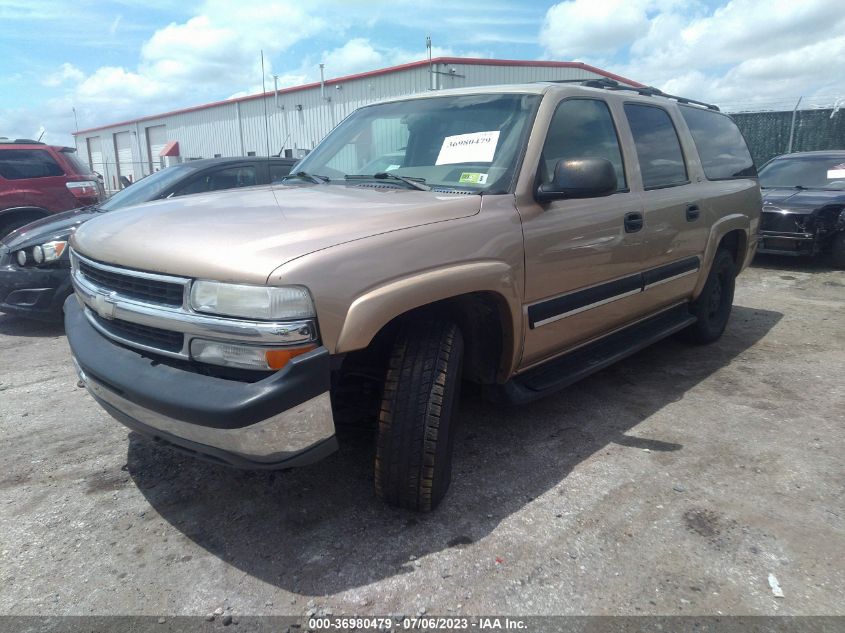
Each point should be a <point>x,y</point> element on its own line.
<point>792,126</point>
<point>264,99</point>
<point>430,65</point>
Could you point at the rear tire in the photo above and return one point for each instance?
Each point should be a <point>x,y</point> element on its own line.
<point>837,250</point>
<point>413,464</point>
<point>713,305</point>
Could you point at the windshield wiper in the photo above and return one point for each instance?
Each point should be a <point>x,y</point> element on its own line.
<point>315,178</point>
<point>416,183</point>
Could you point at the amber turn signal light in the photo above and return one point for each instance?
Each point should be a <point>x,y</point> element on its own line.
<point>278,358</point>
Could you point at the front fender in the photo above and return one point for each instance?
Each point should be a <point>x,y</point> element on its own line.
<point>376,307</point>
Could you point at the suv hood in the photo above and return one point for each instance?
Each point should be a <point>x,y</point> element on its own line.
<point>244,235</point>
<point>800,201</point>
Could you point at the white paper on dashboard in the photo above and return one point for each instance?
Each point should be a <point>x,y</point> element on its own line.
<point>835,173</point>
<point>477,147</point>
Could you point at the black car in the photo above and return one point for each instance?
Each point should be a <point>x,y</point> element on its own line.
<point>34,264</point>
<point>804,205</point>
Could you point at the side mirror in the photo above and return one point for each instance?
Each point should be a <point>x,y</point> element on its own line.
<point>580,178</point>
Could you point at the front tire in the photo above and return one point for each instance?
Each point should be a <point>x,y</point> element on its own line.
<point>837,250</point>
<point>413,464</point>
<point>713,305</point>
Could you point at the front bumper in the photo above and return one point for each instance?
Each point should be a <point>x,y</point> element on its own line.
<point>37,293</point>
<point>281,421</point>
<point>785,243</point>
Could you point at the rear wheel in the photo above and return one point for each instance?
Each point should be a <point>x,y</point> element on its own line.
<point>413,465</point>
<point>713,305</point>
<point>837,250</point>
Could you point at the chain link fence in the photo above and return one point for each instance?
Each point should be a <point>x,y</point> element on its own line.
<point>768,133</point>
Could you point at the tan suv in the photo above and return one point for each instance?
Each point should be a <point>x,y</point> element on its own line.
<point>520,237</point>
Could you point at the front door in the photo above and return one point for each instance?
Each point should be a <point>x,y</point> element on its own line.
<point>583,257</point>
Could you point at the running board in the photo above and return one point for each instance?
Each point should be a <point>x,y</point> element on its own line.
<point>570,368</point>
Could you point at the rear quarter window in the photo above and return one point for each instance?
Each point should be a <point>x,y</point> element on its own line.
<point>18,164</point>
<point>720,144</point>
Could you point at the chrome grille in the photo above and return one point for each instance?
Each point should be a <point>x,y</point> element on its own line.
<point>133,287</point>
<point>149,311</point>
<point>142,335</point>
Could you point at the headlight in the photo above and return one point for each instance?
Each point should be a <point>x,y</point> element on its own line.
<point>253,302</point>
<point>41,253</point>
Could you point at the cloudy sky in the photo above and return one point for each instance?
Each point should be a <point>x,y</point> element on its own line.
<point>116,60</point>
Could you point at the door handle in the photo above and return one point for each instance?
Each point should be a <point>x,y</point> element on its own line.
<point>633,222</point>
<point>693,212</point>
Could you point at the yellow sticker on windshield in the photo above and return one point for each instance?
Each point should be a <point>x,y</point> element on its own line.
<point>471,178</point>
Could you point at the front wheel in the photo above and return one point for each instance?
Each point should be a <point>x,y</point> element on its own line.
<point>413,464</point>
<point>713,305</point>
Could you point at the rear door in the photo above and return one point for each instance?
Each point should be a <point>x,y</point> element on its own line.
<point>34,178</point>
<point>673,205</point>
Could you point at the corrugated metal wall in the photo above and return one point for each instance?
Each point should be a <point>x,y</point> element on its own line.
<point>767,133</point>
<point>298,120</point>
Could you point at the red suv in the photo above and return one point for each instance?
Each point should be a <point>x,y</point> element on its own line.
<point>37,180</point>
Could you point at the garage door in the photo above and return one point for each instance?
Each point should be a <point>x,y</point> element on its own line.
<point>156,140</point>
<point>95,155</point>
<point>123,150</point>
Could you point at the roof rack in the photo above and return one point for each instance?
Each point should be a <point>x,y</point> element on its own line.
<point>648,91</point>
<point>19,141</point>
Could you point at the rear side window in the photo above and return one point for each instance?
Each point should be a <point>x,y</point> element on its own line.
<point>17,164</point>
<point>76,164</point>
<point>229,178</point>
<point>582,128</point>
<point>658,148</point>
<point>720,145</point>
<point>278,171</point>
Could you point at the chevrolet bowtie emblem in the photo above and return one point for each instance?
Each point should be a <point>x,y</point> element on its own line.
<point>105,305</point>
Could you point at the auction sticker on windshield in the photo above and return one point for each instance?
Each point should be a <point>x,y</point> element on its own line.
<point>476,147</point>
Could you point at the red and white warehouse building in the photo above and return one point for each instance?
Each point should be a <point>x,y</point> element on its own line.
<point>291,121</point>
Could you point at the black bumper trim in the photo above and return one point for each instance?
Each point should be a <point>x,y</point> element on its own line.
<point>51,286</point>
<point>195,398</point>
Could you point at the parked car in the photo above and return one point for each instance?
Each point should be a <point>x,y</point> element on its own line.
<point>34,260</point>
<point>804,205</point>
<point>529,236</point>
<point>37,180</point>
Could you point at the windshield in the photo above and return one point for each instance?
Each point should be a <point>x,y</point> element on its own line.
<point>146,189</point>
<point>818,172</point>
<point>469,142</point>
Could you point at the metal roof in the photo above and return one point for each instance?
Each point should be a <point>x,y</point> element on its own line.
<point>374,73</point>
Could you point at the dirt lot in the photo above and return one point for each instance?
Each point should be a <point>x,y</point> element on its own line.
<point>672,483</point>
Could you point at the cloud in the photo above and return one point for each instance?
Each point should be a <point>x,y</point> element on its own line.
<point>66,72</point>
<point>354,56</point>
<point>744,51</point>
<point>587,27</point>
<point>214,51</point>
<point>360,54</point>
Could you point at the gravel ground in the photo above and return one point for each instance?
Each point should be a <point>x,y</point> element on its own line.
<point>672,483</point>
